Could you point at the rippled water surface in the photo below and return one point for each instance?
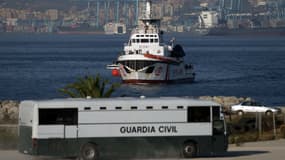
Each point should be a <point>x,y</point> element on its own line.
<point>35,66</point>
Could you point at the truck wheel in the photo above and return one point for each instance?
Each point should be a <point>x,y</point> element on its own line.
<point>189,150</point>
<point>89,152</point>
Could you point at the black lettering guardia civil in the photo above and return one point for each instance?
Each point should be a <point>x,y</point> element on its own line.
<point>122,130</point>
<point>167,129</point>
<point>137,129</point>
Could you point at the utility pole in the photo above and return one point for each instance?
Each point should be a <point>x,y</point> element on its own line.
<point>260,124</point>
<point>97,13</point>
<point>126,13</point>
<point>137,12</point>
<point>274,125</point>
<point>117,11</point>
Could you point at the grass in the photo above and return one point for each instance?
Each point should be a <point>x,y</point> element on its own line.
<point>245,128</point>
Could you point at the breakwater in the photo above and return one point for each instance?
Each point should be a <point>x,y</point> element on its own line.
<point>9,111</point>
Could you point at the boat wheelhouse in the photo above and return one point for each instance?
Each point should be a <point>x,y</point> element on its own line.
<point>147,59</point>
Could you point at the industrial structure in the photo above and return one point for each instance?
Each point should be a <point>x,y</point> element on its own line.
<point>105,11</point>
<point>176,15</point>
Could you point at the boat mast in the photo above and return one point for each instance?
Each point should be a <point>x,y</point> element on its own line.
<point>148,11</point>
<point>149,23</point>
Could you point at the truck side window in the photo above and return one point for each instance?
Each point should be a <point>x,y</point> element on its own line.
<point>198,114</point>
<point>216,113</point>
<point>58,116</point>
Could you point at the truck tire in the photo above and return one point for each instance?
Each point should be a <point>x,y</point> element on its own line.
<point>189,150</point>
<point>89,151</point>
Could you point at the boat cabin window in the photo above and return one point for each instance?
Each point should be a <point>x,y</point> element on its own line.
<point>144,40</point>
<point>66,116</point>
<point>198,114</point>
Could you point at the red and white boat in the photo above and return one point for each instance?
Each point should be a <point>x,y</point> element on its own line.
<point>147,59</point>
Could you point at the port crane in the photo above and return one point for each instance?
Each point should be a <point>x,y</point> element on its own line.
<point>105,11</point>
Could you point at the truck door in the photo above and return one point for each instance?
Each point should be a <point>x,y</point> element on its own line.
<point>71,123</point>
<point>59,127</point>
<point>219,139</point>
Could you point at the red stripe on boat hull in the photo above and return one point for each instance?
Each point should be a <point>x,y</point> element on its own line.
<point>161,58</point>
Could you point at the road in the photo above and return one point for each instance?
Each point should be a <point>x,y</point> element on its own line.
<point>274,150</point>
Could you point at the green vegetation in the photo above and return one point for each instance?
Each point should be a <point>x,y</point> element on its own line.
<point>246,128</point>
<point>94,87</point>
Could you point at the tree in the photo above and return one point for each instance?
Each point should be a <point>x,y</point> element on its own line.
<point>94,87</point>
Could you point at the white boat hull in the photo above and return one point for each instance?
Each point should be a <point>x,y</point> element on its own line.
<point>162,73</point>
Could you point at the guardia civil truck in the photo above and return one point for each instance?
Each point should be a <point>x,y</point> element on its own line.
<point>94,128</point>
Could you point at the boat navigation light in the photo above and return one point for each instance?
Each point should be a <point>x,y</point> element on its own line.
<point>115,73</point>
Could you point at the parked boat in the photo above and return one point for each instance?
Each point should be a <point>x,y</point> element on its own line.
<point>147,59</point>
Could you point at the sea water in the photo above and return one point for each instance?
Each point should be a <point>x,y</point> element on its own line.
<point>36,66</point>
